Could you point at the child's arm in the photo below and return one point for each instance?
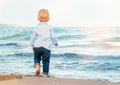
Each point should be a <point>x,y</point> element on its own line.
<point>32,39</point>
<point>53,38</point>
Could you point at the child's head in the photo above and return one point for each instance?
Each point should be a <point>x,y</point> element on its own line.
<point>43,15</point>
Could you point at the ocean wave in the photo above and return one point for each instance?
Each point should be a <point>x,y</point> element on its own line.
<point>18,54</point>
<point>9,44</point>
<point>69,37</point>
<point>68,30</point>
<point>94,53</point>
<point>67,55</point>
<point>23,44</point>
<point>112,44</point>
<point>16,37</point>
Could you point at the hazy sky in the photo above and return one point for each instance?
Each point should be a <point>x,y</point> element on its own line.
<point>62,12</point>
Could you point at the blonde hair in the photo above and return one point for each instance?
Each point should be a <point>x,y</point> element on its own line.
<point>43,15</point>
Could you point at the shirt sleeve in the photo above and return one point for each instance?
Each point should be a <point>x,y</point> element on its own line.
<point>53,37</point>
<point>32,39</point>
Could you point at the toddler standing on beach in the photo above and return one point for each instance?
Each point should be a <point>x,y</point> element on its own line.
<point>41,40</point>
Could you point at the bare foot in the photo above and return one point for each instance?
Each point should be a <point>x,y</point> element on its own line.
<point>37,73</point>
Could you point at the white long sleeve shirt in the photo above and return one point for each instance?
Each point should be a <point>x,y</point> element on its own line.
<point>43,36</point>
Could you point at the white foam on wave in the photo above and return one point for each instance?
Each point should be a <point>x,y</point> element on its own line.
<point>111,43</point>
<point>100,30</point>
<point>101,33</point>
<point>113,77</point>
<point>95,51</point>
<point>74,42</point>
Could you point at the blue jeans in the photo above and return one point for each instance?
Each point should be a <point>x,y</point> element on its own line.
<point>41,53</point>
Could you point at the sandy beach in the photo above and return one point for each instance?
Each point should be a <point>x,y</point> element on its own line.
<point>32,80</point>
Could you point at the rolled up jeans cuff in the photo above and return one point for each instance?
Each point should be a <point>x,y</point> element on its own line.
<point>44,73</point>
<point>36,64</point>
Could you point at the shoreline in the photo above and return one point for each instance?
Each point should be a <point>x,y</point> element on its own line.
<point>33,80</point>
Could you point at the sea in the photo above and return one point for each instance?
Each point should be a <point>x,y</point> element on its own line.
<point>83,53</point>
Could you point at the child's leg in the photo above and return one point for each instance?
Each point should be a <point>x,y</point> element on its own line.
<point>37,59</point>
<point>37,67</point>
<point>46,61</point>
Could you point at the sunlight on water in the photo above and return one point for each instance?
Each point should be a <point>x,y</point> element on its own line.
<point>100,31</point>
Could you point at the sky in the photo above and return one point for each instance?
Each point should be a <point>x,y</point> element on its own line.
<point>68,13</point>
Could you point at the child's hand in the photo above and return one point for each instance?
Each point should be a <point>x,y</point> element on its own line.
<point>56,45</point>
<point>33,47</point>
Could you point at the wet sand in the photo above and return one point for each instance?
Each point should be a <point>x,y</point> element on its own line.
<point>32,80</point>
